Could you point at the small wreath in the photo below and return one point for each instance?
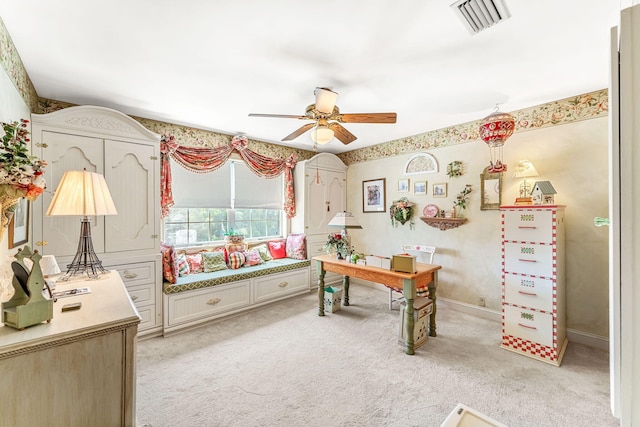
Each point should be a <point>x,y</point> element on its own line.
<point>454,169</point>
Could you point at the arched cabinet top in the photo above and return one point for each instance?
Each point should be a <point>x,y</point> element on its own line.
<point>89,119</point>
<point>326,161</point>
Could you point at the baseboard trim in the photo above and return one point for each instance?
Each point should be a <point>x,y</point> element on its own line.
<point>574,336</point>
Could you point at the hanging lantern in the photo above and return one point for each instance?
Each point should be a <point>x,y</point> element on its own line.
<point>495,129</point>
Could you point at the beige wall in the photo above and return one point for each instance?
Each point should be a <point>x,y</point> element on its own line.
<point>572,156</point>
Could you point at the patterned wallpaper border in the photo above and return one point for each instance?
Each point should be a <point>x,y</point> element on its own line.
<point>582,107</point>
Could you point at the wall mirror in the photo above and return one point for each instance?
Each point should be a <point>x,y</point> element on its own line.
<point>491,190</point>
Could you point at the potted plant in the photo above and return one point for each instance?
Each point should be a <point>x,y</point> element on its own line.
<point>233,236</point>
<point>460,203</point>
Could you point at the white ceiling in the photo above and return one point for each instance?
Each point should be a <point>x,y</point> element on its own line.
<point>208,63</point>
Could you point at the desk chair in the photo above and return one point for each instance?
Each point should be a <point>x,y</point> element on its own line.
<point>425,255</point>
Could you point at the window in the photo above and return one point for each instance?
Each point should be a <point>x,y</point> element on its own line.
<point>209,204</point>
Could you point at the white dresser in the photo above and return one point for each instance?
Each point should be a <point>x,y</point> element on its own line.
<point>533,288</point>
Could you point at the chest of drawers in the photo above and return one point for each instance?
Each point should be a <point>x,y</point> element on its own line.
<point>533,289</point>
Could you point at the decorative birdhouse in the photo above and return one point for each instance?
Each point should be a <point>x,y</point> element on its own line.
<point>542,193</point>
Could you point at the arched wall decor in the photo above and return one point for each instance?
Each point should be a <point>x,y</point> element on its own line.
<point>421,163</point>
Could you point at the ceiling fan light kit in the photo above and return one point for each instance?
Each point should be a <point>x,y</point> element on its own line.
<point>327,117</point>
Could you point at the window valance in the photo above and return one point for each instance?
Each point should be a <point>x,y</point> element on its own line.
<point>204,159</point>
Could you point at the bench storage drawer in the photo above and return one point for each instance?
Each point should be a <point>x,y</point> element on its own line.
<point>275,286</point>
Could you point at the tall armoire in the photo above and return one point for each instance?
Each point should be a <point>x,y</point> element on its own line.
<point>321,192</point>
<point>113,144</point>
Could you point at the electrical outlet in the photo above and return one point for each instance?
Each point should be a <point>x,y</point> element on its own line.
<point>481,302</point>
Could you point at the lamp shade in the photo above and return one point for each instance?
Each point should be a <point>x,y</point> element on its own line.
<point>49,265</point>
<point>525,169</point>
<point>325,100</point>
<point>82,193</point>
<point>344,220</point>
<point>321,135</point>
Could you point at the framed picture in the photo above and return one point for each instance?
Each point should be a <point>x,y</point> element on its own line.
<point>19,225</point>
<point>373,195</point>
<point>420,187</point>
<point>440,190</point>
<point>403,185</point>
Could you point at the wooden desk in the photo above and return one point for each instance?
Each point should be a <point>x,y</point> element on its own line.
<point>78,370</point>
<point>427,274</point>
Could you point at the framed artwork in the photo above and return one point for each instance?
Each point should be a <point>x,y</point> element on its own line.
<point>373,195</point>
<point>19,225</point>
<point>403,185</point>
<point>420,187</point>
<point>491,190</point>
<point>440,190</point>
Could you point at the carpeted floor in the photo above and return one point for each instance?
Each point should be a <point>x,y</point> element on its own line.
<point>283,365</point>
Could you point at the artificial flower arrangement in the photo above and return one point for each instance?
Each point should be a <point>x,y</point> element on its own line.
<point>462,199</point>
<point>336,243</point>
<point>401,211</point>
<point>21,174</point>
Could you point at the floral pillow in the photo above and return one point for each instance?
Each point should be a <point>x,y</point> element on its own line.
<point>236,259</point>
<point>213,261</point>
<point>183,265</point>
<point>297,246</point>
<point>252,257</point>
<point>263,250</point>
<point>195,263</point>
<point>169,264</point>
<point>277,249</point>
<point>235,247</point>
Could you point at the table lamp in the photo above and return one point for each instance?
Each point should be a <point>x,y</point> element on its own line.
<point>524,169</point>
<point>84,194</point>
<point>345,221</point>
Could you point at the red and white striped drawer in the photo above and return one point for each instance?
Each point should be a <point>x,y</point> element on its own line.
<point>528,324</point>
<point>530,259</point>
<point>530,292</point>
<point>529,226</point>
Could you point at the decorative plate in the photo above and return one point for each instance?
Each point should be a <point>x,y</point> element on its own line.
<point>430,211</point>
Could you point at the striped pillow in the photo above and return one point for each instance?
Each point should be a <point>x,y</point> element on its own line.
<point>236,259</point>
<point>183,265</point>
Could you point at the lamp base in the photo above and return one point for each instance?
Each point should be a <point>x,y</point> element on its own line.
<point>86,260</point>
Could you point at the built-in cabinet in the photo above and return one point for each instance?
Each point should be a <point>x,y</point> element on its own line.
<point>533,286</point>
<point>321,192</point>
<point>108,142</point>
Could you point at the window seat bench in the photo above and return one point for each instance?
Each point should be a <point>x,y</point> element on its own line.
<point>202,297</point>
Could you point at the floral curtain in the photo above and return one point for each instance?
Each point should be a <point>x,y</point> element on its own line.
<point>203,160</point>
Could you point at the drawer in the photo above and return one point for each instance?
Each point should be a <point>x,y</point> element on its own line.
<point>314,246</point>
<point>143,294</point>
<point>276,285</point>
<point>529,325</point>
<point>530,292</point>
<point>530,259</point>
<point>136,273</point>
<point>148,315</point>
<point>529,226</point>
<point>192,305</point>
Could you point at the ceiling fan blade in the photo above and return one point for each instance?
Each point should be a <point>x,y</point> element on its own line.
<point>281,116</point>
<point>298,132</point>
<point>342,133</point>
<point>367,118</point>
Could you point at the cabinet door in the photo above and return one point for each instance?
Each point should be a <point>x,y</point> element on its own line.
<point>130,171</point>
<point>335,194</point>
<point>316,184</point>
<point>60,235</point>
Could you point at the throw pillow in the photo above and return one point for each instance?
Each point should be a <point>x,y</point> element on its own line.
<point>236,259</point>
<point>277,249</point>
<point>297,246</point>
<point>183,265</point>
<point>235,247</point>
<point>223,250</point>
<point>169,264</point>
<point>213,261</point>
<point>252,257</point>
<point>195,263</point>
<point>263,250</point>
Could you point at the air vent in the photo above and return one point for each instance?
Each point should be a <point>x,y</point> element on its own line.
<point>477,15</point>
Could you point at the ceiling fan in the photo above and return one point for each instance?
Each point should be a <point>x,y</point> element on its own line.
<point>327,118</point>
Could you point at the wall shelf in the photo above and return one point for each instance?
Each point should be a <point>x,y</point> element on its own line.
<point>444,223</point>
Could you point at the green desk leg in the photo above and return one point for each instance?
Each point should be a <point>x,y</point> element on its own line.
<point>409,291</point>
<point>345,284</point>
<point>321,274</point>
<point>432,296</point>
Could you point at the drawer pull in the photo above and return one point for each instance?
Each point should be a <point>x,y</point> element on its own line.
<point>527,260</point>
<point>531,227</point>
<point>527,326</point>
<point>129,275</point>
<point>134,297</point>
<point>214,301</point>
<point>283,284</point>
<point>528,293</point>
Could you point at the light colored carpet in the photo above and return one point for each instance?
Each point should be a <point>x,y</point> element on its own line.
<point>283,365</point>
